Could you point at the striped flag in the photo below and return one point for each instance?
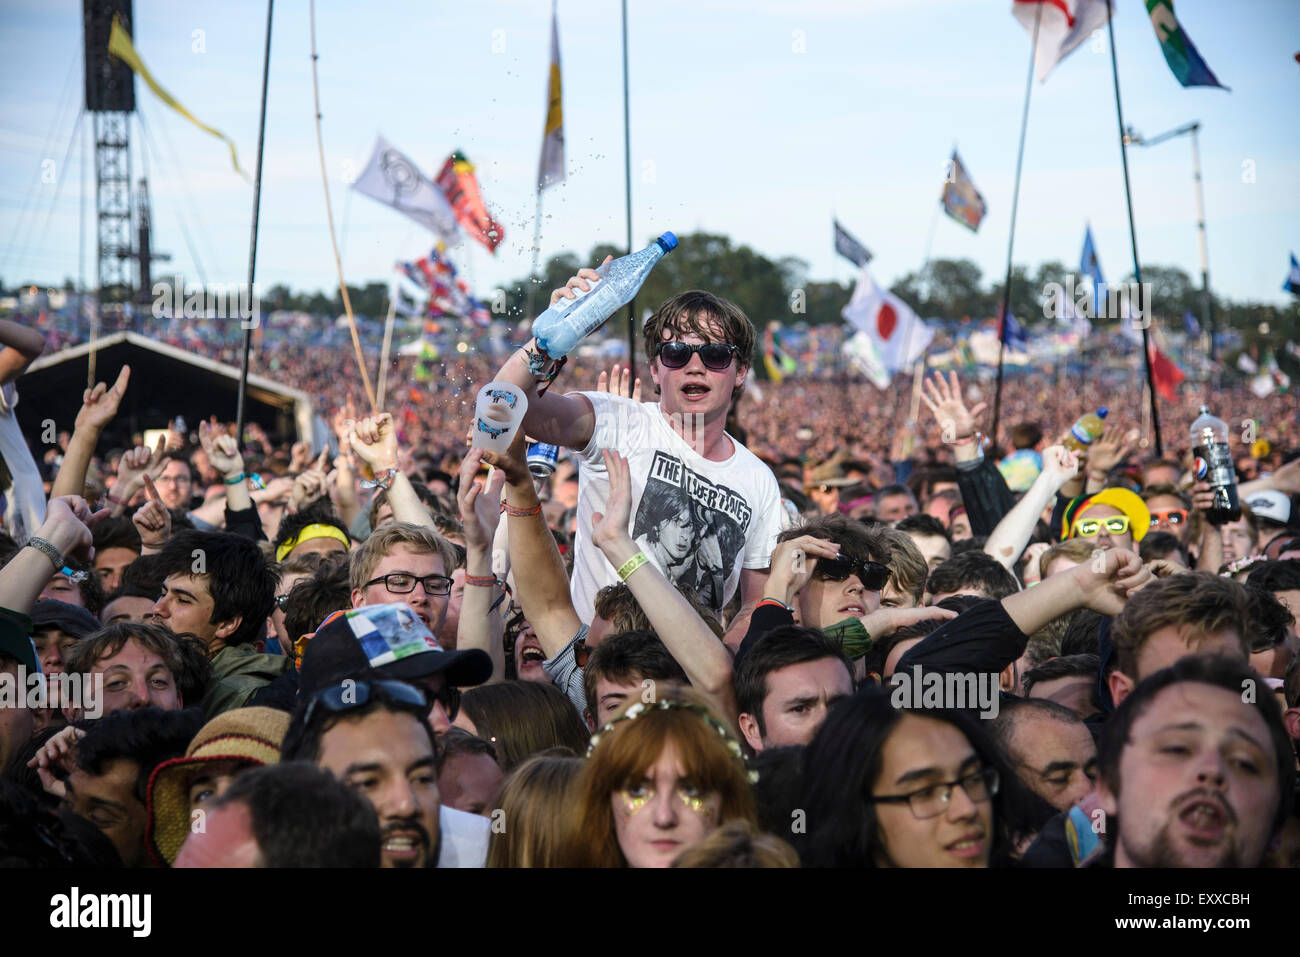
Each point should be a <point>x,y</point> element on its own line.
<point>1188,67</point>
<point>848,246</point>
<point>551,168</point>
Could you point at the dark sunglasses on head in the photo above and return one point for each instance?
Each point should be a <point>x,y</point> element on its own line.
<point>873,575</point>
<point>349,695</point>
<point>715,355</point>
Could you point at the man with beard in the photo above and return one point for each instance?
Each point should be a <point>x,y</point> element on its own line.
<point>1195,769</point>
<point>374,735</point>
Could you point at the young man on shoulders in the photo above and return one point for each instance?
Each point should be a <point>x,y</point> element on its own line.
<point>705,510</point>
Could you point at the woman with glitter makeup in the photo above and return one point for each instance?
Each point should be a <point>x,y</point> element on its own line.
<point>660,777</point>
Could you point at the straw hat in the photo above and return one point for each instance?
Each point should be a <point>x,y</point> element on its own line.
<point>830,475</point>
<point>250,735</point>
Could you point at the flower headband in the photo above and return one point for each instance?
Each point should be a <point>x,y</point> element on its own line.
<point>663,704</point>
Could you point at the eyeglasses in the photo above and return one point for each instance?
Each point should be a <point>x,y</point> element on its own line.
<point>715,355</point>
<point>873,575</point>
<point>447,696</point>
<point>1088,527</point>
<point>932,801</point>
<point>401,583</point>
<point>350,695</point>
<point>281,601</point>
<point>1171,516</point>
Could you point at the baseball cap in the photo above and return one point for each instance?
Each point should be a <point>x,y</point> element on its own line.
<point>70,619</point>
<point>1271,505</point>
<point>16,638</point>
<point>390,639</point>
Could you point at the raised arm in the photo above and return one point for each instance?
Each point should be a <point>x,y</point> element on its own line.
<point>541,585</point>
<point>65,534</point>
<point>480,618</point>
<point>567,420</point>
<point>98,406</point>
<point>22,345</point>
<point>687,638</point>
<point>374,439</point>
<point>1009,539</point>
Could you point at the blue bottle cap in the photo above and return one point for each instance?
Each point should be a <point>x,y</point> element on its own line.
<point>668,241</point>
<point>1103,412</point>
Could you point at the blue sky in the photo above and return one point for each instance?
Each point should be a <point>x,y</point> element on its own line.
<point>756,119</point>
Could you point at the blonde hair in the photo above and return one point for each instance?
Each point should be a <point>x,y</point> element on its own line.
<point>383,540</point>
<point>1075,549</point>
<point>537,805</point>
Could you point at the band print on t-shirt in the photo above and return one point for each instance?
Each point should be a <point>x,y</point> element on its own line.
<point>693,528</point>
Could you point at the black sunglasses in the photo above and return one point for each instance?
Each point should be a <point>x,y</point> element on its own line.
<point>350,695</point>
<point>873,575</point>
<point>715,355</point>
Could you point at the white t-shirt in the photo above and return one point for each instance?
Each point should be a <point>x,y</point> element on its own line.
<point>24,508</point>
<point>699,521</point>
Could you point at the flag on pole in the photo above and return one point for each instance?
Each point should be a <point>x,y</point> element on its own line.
<point>551,168</point>
<point>1013,334</point>
<point>1164,371</point>
<point>1090,266</point>
<point>1064,24</point>
<point>1292,284</point>
<point>444,292</point>
<point>961,200</point>
<point>848,247</point>
<point>391,178</point>
<point>120,46</point>
<point>900,337</point>
<point>1190,324</point>
<point>1189,69</point>
<point>862,354</point>
<point>1280,378</point>
<point>460,186</point>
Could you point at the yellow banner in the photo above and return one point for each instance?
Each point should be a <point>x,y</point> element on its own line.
<point>120,46</point>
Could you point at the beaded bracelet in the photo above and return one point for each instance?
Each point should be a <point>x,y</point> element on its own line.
<point>632,564</point>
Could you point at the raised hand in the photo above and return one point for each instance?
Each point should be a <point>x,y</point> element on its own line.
<point>374,439</point>
<point>223,450</point>
<point>299,457</point>
<point>152,520</point>
<point>1059,465</point>
<point>792,564</point>
<point>581,282</point>
<point>1109,577</point>
<point>99,405</point>
<point>610,527</point>
<point>617,384</point>
<point>478,503</point>
<point>1109,450</point>
<point>68,524</point>
<point>943,398</point>
<point>512,463</point>
<point>311,484</point>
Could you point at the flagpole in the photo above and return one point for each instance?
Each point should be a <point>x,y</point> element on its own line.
<point>1132,233</point>
<point>388,343</point>
<point>627,181</point>
<point>1011,238</point>
<point>252,245</point>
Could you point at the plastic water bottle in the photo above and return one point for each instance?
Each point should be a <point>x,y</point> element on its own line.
<point>1087,430</point>
<point>1214,465</point>
<point>569,321</point>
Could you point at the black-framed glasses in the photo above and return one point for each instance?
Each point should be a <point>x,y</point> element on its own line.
<point>402,583</point>
<point>873,575</point>
<point>349,695</point>
<point>715,355</point>
<point>928,802</point>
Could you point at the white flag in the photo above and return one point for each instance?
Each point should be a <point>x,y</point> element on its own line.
<point>861,352</point>
<point>395,181</point>
<point>551,168</point>
<point>899,336</point>
<point>1063,25</point>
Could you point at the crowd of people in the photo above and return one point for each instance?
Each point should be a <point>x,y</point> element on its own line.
<point>806,627</point>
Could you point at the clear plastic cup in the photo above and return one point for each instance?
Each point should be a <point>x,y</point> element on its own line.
<point>498,413</point>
